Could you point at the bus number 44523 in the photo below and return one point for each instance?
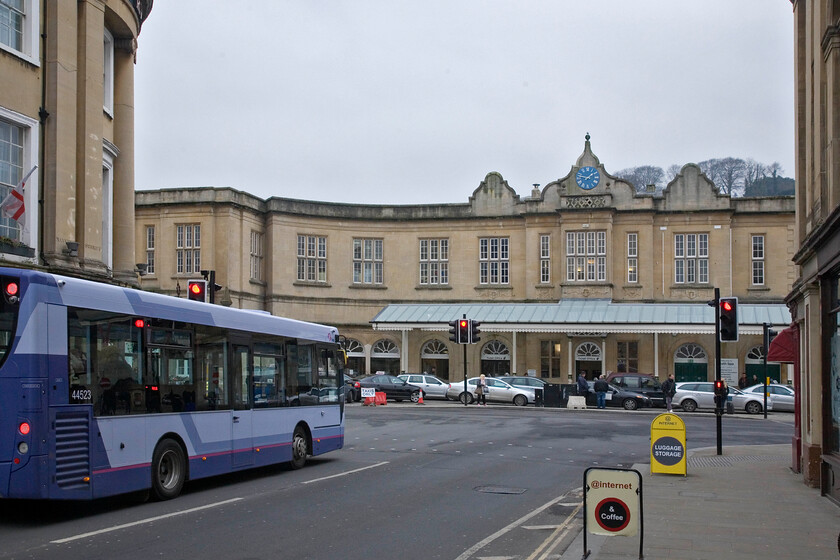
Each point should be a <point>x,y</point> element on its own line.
<point>83,395</point>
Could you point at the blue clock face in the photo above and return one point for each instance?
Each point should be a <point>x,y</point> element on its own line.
<point>588,177</point>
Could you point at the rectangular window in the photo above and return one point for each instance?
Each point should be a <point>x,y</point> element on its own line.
<point>188,248</point>
<point>150,249</point>
<point>758,260</point>
<point>545,259</point>
<point>628,357</point>
<point>107,74</point>
<point>11,171</point>
<point>368,261</point>
<point>691,258</point>
<point>586,256</point>
<point>312,258</point>
<point>550,362</point>
<point>12,19</point>
<point>256,260</point>
<point>434,254</point>
<point>632,258</point>
<point>494,259</point>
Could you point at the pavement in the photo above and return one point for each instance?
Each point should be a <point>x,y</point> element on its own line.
<point>746,504</point>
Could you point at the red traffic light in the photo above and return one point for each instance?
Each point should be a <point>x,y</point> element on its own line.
<point>726,305</point>
<point>195,289</point>
<point>463,323</point>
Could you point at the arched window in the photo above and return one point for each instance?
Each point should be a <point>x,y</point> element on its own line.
<point>434,349</point>
<point>755,355</point>
<point>385,356</point>
<point>691,353</point>
<point>434,359</point>
<point>354,348</point>
<point>589,352</point>
<point>495,358</point>
<point>355,357</point>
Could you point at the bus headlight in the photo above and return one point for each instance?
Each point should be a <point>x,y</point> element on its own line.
<point>23,448</point>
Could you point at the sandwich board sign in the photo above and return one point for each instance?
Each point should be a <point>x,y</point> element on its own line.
<point>612,504</point>
<point>667,445</point>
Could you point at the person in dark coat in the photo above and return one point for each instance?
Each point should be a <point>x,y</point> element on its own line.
<point>670,389</point>
<point>582,385</point>
<point>601,388</point>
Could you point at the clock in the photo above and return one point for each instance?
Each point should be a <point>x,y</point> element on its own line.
<point>587,177</point>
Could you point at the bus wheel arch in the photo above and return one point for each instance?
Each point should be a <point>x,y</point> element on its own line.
<point>301,445</point>
<point>170,468</point>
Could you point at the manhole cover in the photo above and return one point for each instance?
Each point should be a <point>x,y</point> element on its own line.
<point>500,490</point>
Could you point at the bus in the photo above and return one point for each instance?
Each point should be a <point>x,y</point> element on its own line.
<point>106,390</point>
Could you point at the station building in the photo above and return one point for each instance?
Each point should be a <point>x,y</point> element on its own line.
<point>583,275</point>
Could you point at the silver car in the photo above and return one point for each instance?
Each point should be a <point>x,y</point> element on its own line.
<point>783,397</point>
<point>694,395</point>
<point>498,391</point>
<point>433,387</point>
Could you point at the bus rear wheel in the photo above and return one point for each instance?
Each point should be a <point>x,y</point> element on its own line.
<point>169,470</point>
<point>300,448</point>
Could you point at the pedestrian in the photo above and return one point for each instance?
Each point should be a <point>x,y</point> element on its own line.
<point>481,391</point>
<point>670,389</point>
<point>582,385</point>
<point>742,381</point>
<point>755,380</point>
<point>601,388</point>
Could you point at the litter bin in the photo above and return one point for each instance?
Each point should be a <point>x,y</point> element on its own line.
<point>730,406</point>
<point>538,397</point>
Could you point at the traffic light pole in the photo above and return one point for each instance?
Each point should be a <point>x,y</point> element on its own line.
<point>466,399</point>
<point>718,403</point>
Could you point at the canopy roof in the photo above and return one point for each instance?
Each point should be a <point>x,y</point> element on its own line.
<point>585,316</point>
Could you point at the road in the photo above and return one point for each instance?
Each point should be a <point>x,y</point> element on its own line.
<point>439,481</point>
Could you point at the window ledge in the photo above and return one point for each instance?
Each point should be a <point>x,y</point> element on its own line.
<point>367,287</point>
<point>494,287</point>
<point>433,287</point>
<point>304,284</point>
<point>758,289</point>
<point>258,282</point>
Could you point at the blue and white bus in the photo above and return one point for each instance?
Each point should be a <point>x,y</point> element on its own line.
<point>107,390</point>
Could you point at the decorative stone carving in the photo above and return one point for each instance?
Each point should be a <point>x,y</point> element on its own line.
<point>586,202</point>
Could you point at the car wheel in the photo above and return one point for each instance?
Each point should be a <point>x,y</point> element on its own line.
<point>689,405</point>
<point>415,396</point>
<point>520,400</point>
<point>300,448</point>
<point>465,398</point>
<point>753,408</point>
<point>630,404</point>
<point>169,470</point>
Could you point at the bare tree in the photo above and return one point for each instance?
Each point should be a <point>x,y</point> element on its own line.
<point>726,173</point>
<point>672,172</point>
<point>642,176</point>
<point>754,171</point>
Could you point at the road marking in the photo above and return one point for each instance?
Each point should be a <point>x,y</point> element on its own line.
<point>501,532</point>
<point>555,537</point>
<point>142,521</point>
<point>345,473</point>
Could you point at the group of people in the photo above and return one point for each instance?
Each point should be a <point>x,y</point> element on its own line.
<point>601,387</point>
<point>743,382</point>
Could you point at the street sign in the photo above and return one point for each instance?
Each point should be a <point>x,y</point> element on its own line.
<point>667,445</point>
<point>612,504</point>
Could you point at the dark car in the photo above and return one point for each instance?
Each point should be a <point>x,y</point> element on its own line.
<point>394,388</point>
<point>643,383</point>
<point>629,400</point>
<point>351,389</point>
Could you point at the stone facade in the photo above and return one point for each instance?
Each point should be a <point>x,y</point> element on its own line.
<point>67,104</point>
<point>815,297</point>
<point>562,242</point>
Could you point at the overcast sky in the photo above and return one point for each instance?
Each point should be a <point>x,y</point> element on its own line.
<point>404,102</point>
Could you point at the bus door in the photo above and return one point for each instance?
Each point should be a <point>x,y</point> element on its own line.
<point>241,426</point>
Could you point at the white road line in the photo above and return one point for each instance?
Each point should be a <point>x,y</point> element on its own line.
<point>484,542</point>
<point>142,522</point>
<point>345,473</point>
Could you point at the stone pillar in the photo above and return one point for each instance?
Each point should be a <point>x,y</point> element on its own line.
<point>124,254</point>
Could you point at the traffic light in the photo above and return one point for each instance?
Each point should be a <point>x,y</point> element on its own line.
<point>721,391</point>
<point>729,319</point>
<point>453,331</point>
<point>769,335</point>
<point>474,331</point>
<point>463,331</point>
<point>197,290</point>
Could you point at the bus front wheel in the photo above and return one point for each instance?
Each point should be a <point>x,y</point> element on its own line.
<point>169,470</point>
<point>300,448</point>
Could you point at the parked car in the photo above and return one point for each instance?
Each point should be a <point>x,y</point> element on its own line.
<point>694,395</point>
<point>783,397</point>
<point>394,388</point>
<point>498,391</point>
<point>432,387</point>
<point>524,381</point>
<point>352,392</point>
<point>644,383</point>
<point>616,396</point>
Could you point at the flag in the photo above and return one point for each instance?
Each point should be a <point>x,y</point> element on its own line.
<point>13,206</point>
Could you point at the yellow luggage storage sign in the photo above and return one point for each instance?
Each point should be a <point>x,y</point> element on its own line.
<point>667,445</point>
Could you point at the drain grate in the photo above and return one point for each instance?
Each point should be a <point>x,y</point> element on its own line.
<point>729,460</point>
<point>500,490</point>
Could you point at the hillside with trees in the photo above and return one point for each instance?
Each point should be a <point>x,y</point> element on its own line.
<point>733,176</point>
